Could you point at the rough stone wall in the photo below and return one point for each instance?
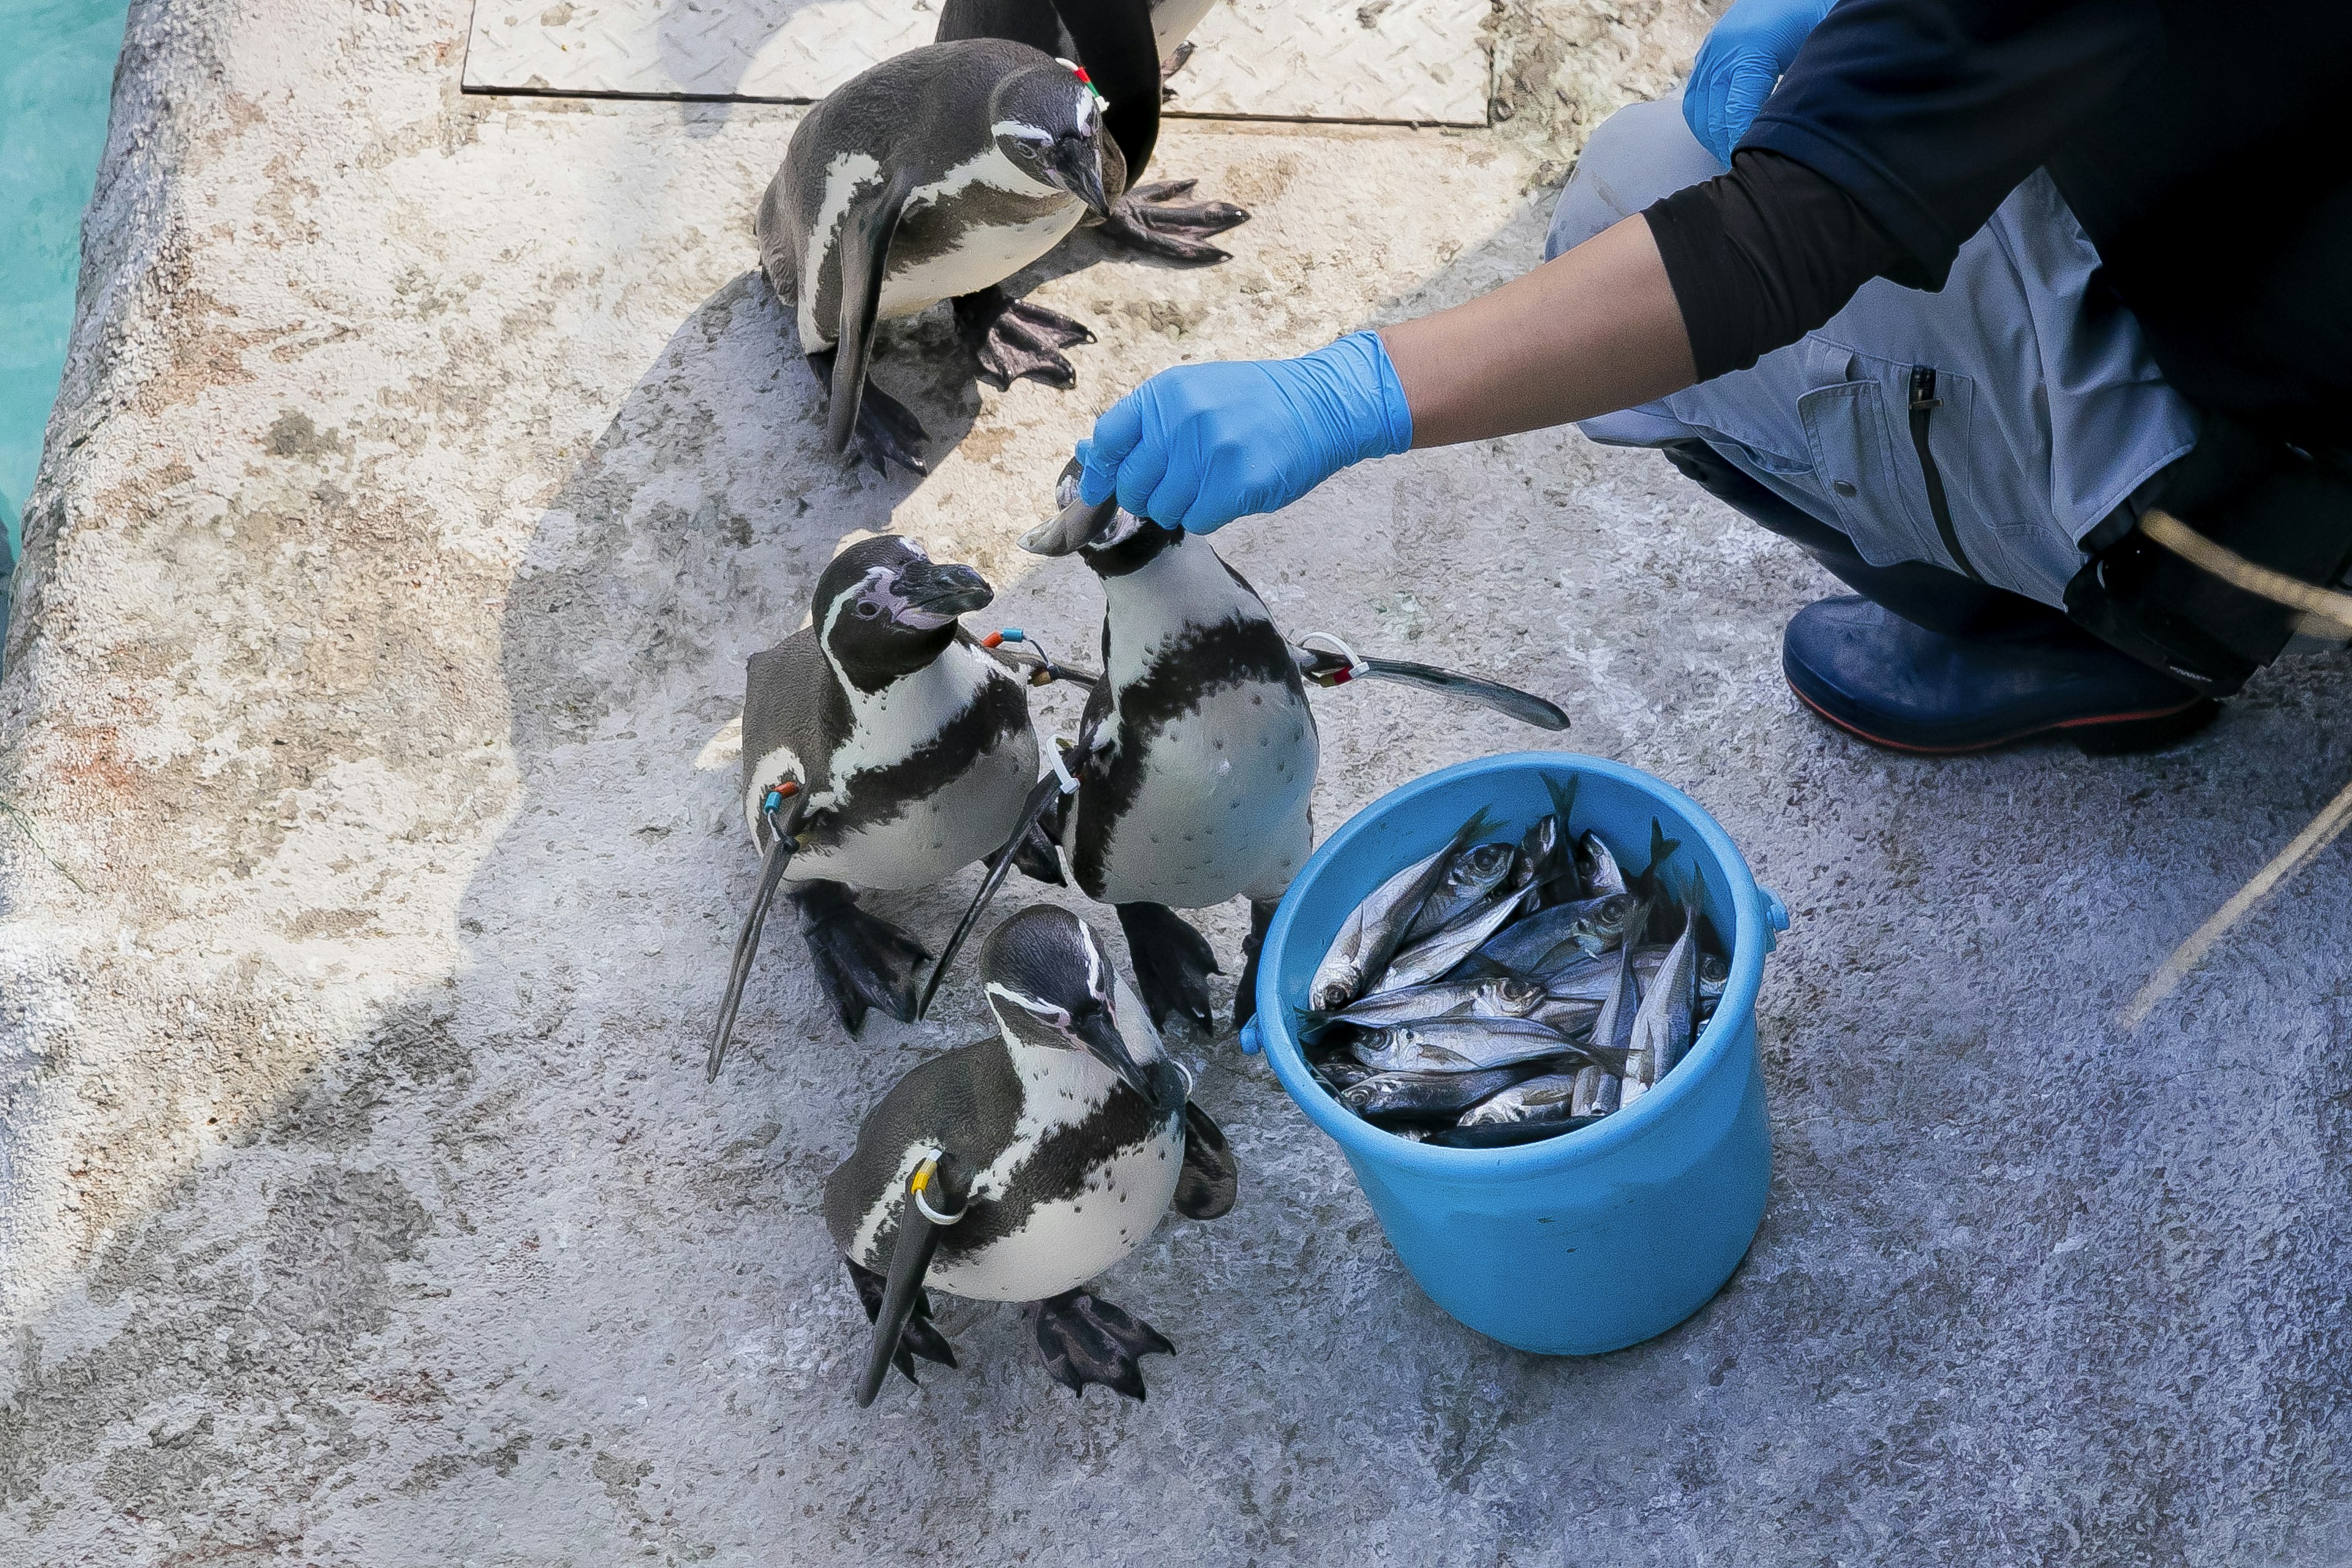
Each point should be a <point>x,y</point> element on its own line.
<point>428,468</point>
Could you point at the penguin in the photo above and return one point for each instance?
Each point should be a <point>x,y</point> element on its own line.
<point>932,175</point>
<point>1122,44</point>
<point>904,750</point>
<point>1193,773</point>
<point>1020,1167</point>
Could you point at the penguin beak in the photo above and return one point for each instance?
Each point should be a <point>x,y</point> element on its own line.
<point>1096,1029</point>
<point>938,594</point>
<point>1077,164</point>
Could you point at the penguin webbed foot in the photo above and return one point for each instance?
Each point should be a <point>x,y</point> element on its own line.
<point>1154,218</point>
<point>861,961</point>
<point>1014,338</point>
<point>1172,963</point>
<point>887,431</point>
<point>1083,1339</point>
<point>1245,999</point>
<point>920,1337</point>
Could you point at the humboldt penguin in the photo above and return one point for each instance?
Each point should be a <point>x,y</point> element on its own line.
<point>882,748</point>
<point>1020,1167</point>
<point>1122,44</point>
<point>933,175</point>
<point>1195,760</point>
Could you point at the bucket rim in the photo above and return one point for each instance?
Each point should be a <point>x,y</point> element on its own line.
<point>1360,1139</point>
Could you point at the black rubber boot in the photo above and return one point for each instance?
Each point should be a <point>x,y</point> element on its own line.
<point>1927,660</point>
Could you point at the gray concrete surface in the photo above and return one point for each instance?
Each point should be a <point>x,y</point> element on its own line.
<point>427,468</point>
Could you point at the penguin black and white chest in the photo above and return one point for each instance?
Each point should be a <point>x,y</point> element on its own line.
<point>1199,783</point>
<point>912,745</point>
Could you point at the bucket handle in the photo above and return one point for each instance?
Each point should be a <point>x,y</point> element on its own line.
<point>1775,913</point>
<point>1253,1042</point>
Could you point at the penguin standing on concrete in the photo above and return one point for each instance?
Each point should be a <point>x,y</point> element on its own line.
<point>882,748</point>
<point>1195,760</point>
<point>1122,44</point>
<point>933,175</point>
<point>1019,1168</point>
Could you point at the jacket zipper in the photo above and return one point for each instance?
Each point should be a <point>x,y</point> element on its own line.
<point>1924,403</point>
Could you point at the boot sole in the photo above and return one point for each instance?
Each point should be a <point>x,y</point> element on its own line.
<point>2104,736</point>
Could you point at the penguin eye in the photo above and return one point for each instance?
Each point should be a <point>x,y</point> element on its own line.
<point>868,609</point>
<point>1030,148</point>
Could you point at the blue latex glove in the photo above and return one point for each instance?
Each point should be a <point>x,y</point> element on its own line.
<point>1200,445</point>
<point>1743,57</point>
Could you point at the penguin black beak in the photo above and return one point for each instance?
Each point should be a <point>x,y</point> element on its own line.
<point>1097,1030</point>
<point>1078,169</point>
<point>943,590</point>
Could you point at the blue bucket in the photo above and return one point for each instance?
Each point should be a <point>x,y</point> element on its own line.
<point>1596,1239</point>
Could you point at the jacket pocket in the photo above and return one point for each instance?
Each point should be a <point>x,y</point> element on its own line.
<point>1864,458</point>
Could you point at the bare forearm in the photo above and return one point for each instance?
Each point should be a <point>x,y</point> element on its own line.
<point>1588,333</point>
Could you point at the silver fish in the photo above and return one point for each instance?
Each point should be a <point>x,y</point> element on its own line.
<point>1370,935</point>
<point>1502,996</point>
<point>1503,1134</point>
<point>1592,926</point>
<point>1427,1094</point>
<point>1427,960</point>
<point>1474,874</point>
<point>1538,849</point>
<point>1573,1018</point>
<point>1460,1044</point>
<point>1661,1027</point>
<point>1598,1091</point>
<point>1549,1098</point>
<point>1342,1072</point>
<point>1598,867</point>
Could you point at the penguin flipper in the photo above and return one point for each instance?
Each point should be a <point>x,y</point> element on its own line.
<point>864,252</point>
<point>1210,1180</point>
<point>1084,1339</point>
<point>1034,854</point>
<point>1326,667</point>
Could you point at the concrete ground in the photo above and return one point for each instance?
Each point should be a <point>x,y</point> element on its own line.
<point>427,468</point>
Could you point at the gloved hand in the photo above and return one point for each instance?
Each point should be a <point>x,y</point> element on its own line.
<point>1200,445</point>
<point>1739,62</point>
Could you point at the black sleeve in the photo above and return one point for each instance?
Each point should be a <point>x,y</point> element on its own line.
<point>1763,255</point>
<point>1929,113</point>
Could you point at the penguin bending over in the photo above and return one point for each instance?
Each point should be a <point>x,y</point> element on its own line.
<point>1122,44</point>
<point>1018,1168</point>
<point>1194,767</point>
<point>933,175</point>
<point>904,750</point>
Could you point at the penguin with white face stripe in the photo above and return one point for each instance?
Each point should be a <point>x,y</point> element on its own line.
<point>934,174</point>
<point>1018,1168</point>
<point>904,750</point>
<point>1123,45</point>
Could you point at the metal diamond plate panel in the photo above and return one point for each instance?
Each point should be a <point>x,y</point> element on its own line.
<point>1416,60</point>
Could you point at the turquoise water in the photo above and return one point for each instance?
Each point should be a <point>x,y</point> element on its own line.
<point>56,73</point>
